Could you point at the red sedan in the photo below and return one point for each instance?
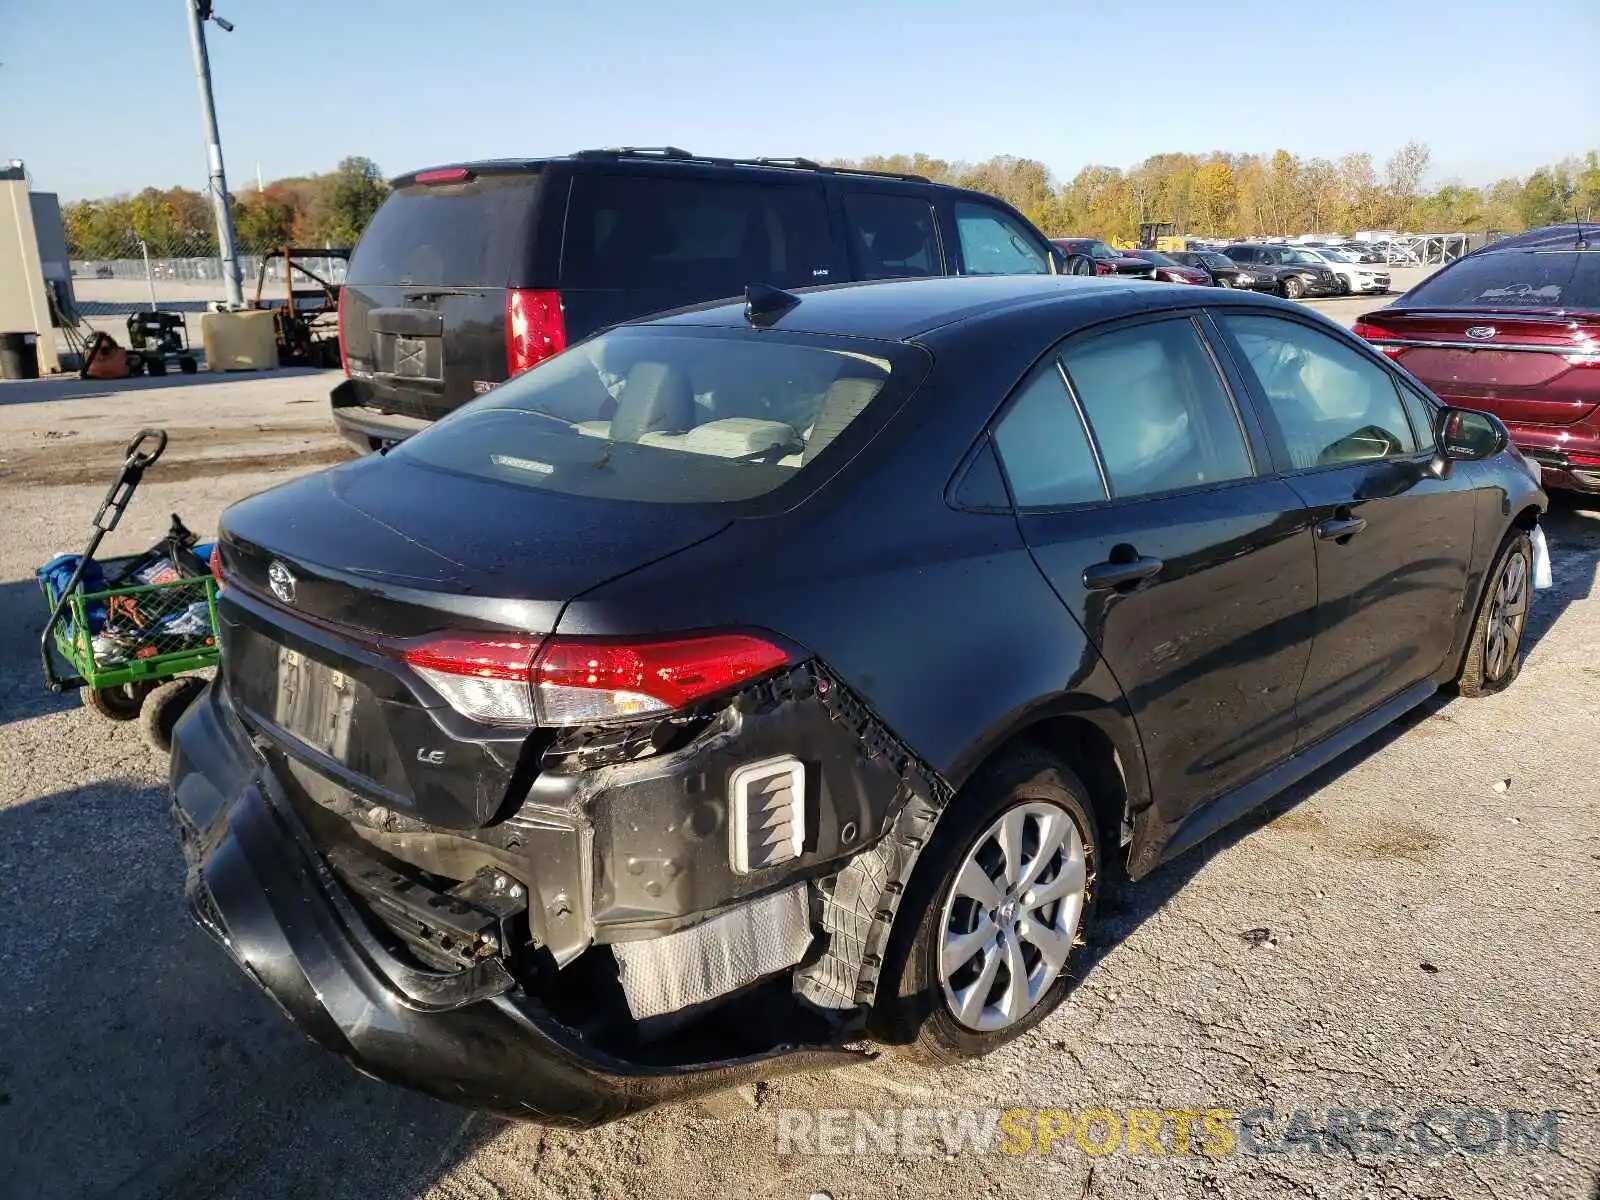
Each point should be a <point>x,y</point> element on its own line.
<point>1513,330</point>
<point>1170,270</point>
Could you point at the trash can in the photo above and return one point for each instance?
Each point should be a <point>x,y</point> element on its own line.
<point>19,356</point>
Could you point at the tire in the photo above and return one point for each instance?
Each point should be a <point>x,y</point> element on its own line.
<point>156,365</point>
<point>1222,281</point>
<point>1082,265</point>
<point>1494,653</point>
<point>188,365</point>
<point>120,703</point>
<point>1293,288</point>
<point>159,713</point>
<point>916,1009</point>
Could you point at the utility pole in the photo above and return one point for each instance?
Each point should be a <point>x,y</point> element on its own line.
<point>199,14</point>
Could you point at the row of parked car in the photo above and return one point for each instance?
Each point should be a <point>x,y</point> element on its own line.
<point>1290,271</point>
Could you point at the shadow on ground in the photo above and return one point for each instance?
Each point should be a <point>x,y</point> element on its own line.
<point>136,1061</point>
<point>70,387</point>
<point>23,693</point>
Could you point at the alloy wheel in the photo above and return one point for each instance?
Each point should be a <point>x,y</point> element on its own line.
<point>1508,617</point>
<point>1012,915</point>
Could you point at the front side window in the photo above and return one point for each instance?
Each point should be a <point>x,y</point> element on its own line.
<point>667,416</point>
<point>1332,404</point>
<point>892,237</point>
<point>994,244</point>
<point>1160,414</point>
<point>1044,447</point>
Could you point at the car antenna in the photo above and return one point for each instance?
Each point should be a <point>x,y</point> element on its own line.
<point>764,304</point>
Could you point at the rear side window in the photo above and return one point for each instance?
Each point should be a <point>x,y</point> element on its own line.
<point>1043,445</point>
<point>701,238</point>
<point>994,244</point>
<point>892,237</point>
<point>1160,413</point>
<point>1515,279</point>
<point>470,234</point>
<point>1332,404</point>
<point>666,416</point>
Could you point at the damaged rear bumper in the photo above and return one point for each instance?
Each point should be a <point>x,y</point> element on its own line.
<point>257,883</point>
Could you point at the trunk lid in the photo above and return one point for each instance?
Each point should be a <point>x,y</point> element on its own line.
<point>330,576</point>
<point>1528,367</point>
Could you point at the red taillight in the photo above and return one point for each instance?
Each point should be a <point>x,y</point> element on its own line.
<point>344,343</point>
<point>1583,460</point>
<point>442,175</point>
<point>578,682</point>
<point>1376,333</point>
<point>535,328</point>
<point>215,563</point>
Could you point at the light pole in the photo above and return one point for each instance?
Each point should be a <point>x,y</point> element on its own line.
<point>199,14</point>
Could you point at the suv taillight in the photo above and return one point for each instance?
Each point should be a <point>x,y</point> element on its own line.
<point>344,344</point>
<point>514,681</point>
<point>535,328</point>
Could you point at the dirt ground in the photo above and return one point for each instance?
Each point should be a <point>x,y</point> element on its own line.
<point>1413,929</point>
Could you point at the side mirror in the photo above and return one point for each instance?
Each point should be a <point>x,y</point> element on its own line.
<point>1464,435</point>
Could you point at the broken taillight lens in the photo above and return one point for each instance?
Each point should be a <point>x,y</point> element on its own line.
<point>215,563</point>
<point>536,329</point>
<point>579,682</point>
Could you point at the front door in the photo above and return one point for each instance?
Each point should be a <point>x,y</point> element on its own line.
<point>1393,543</point>
<point>1136,482</point>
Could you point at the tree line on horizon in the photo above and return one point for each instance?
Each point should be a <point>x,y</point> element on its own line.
<point>1218,194</point>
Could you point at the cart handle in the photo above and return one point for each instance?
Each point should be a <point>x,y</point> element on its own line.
<point>145,458</point>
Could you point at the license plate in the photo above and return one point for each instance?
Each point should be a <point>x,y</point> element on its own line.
<point>410,358</point>
<point>314,702</point>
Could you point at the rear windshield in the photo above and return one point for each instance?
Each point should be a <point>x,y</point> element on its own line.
<point>467,234</point>
<point>1516,279</point>
<point>698,238</point>
<point>671,416</point>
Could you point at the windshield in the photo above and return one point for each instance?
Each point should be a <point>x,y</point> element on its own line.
<point>1302,258</point>
<point>1217,260</point>
<point>1516,279</point>
<point>1155,256</point>
<point>668,416</point>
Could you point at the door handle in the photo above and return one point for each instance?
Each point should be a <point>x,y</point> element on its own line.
<point>1340,527</point>
<point>1110,576</point>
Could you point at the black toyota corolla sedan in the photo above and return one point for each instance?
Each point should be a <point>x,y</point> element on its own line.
<point>758,677</point>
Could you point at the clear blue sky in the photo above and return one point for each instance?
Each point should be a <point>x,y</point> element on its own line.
<point>98,96</point>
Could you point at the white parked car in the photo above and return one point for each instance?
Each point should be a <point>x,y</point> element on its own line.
<point>1357,276</point>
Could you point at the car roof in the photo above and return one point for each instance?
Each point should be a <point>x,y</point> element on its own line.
<point>670,160</point>
<point>904,309</point>
<point>1551,237</point>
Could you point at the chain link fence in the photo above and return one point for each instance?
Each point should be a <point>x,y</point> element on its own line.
<point>188,281</point>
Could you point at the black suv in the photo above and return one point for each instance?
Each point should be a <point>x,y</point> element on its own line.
<point>1294,272</point>
<point>471,273</point>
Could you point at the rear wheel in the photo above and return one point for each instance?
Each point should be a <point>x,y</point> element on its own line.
<point>1293,288</point>
<point>159,713</point>
<point>995,913</point>
<point>120,703</point>
<point>1494,656</point>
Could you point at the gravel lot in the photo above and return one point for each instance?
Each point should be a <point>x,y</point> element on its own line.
<point>1433,938</point>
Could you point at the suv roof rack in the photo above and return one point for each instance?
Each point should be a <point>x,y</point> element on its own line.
<point>675,154</point>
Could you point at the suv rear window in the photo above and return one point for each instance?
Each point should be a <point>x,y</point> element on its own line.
<point>1515,279</point>
<point>464,234</point>
<point>670,416</point>
<point>699,238</point>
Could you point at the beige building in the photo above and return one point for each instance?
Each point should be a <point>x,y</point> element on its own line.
<point>24,307</point>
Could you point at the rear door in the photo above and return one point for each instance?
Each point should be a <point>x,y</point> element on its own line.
<point>892,235</point>
<point>641,242</point>
<point>1136,483</point>
<point>1393,543</point>
<point>425,295</point>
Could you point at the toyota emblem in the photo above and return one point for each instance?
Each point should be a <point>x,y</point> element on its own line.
<point>1480,333</point>
<point>282,581</point>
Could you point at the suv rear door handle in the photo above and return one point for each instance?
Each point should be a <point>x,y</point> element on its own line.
<point>1108,576</point>
<point>1340,527</point>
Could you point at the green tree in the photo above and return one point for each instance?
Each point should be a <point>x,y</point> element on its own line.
<point>358,189</point>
